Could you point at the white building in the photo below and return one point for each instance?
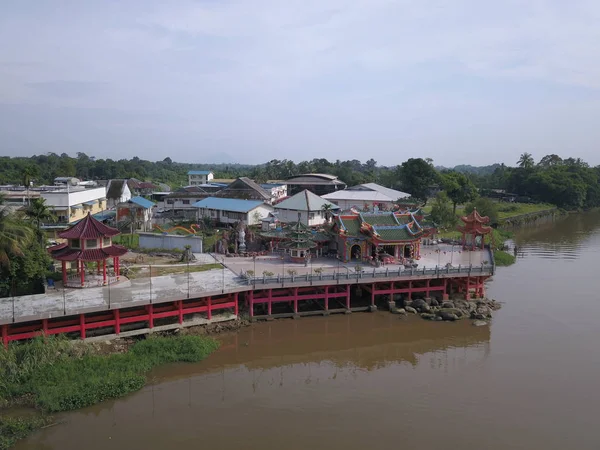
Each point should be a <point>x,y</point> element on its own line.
<point>196,177</point>
<point>313,209</point>
<point>366,196</point>
<point>117,191</point>
<point>232,210</point>
<point>70,204</point>
<point>277,190</point>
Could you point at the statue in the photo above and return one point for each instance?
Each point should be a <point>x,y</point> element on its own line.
<point>242,239</point>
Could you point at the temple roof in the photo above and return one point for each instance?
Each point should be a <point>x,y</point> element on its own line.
<point>475,224</point>
<point>475,217</point>
<point>63,252</point>
<point>388,227</point>
<point>88,228</point>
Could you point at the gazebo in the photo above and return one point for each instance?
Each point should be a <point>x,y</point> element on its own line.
<point>89,240</point>
<point>474,227</point>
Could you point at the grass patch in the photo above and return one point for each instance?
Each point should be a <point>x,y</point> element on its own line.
<point>145,272</point>
<point>508,210</point>
<point>56,375</point>
<point>14,428</point>
<point>131,241</point>
<point>503,258</point>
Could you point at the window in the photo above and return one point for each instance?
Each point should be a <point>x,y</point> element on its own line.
<point>106,242</point>
<point>91,243</point>
<point>170,202</point>
<point>185,202</point>
<point>75,243</point>
<point>311,216</point>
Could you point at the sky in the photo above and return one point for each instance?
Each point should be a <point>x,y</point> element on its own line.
<point>458,81</point>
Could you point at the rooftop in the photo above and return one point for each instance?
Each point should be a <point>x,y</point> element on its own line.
<point>228,204</point>
<point>141,201</point>
<point>370,192</point>
<point>199,172</point>
<point>305,201</point>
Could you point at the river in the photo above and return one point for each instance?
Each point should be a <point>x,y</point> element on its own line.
<point>530,380</point>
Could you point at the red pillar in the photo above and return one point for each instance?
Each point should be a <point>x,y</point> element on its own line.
<point>117,316</point>
<point>467,289</point>
<point>150,309</point>
<point>235,299</point>
<point>209,303</point>
<point>118,269</point>
<point>326,298</point>
<point>251,303</point>
<point>445,295</point>
<point>372,293</point>
<point>348,297</point>
<point>98,267</point>
<point>410,290</point>
<point>295,301</point>
<point>180,306</point>
<point>82,326</point>
<point>64,273</point>
<point>82,273</point>
<point>427,286</point>
<point>104,271</point>
<point>270,302</point>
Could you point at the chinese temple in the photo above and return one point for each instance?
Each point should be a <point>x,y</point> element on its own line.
<point>299,242</point>
<point>474,230</point>
<point>88,241</point>
<point>389,236</point>
<point>297,239</point>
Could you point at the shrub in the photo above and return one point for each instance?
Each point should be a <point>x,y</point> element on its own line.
<point>266,273</point>
<point>503,258</point>
<point>14,428</point>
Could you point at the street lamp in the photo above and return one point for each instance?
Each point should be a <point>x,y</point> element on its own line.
<point>254,260</point>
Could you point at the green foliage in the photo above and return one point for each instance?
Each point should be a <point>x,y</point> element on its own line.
<point>441,211</point>
<point>26,272</point>
<point>503,258</point>
<point>417,177</point>
<point>485,207</point>
<point>14,428</point>
<point>129,240</point>
<point>459,188</point>
<point>60,378</point>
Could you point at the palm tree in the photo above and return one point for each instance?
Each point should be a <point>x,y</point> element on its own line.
<point>526,161</point>
<point>14,235</point>
<point>38,213</point>
<point>327,209</point>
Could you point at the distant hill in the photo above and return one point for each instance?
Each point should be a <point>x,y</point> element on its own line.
<point>481,170</point>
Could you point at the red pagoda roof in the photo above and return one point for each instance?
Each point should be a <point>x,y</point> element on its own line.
<point>88,228</point>
<point>475,217</point>
<point>63,252</point>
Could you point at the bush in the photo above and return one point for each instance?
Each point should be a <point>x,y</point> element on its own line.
<point>503,258</point>
<point>14,428</point>
<point>485,207</point>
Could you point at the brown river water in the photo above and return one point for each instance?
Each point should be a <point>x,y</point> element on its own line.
<point>372,380</point>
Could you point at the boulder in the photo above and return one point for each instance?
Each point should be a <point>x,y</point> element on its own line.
<point>434,302</point>
<point>463,304</point>
<point>438,318</point>
<point>419,304</point>
<point>484,310</point>
<point>410,309</point>
<point>428,316</point>
<point>448,305</point>
<point>455,311</point>
<point>480,317</point>
<point>400,311</point>
<point>480,323</point>
<point>445,315</point>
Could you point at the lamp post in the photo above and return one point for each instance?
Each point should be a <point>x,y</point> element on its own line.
<point>223,264</point>
<point>254,276</point>
<point>283,268</point>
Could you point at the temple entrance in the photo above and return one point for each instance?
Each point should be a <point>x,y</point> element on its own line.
<point>355,252</point>
<point>407,251</point>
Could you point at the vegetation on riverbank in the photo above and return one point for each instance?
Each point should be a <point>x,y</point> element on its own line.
<point>54,374</point>
<point>14,428</point>
<point>503,258</point>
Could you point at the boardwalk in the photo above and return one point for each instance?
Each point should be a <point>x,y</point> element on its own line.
<point>168,288</point>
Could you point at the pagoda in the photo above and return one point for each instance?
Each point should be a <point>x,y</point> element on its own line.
<point>474,227</point>
<point>89,240</point>
<point>300,242</point>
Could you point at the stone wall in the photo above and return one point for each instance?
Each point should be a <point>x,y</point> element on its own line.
<point>170,241</point>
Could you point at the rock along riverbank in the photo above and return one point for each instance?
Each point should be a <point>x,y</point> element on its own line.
<point>479,310</point>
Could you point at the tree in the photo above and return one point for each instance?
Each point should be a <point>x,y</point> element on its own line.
<point>459,188</point>
<point>526,161</point>
<point>38,213</point>
<point>417,176</point>
<point>550,160</point>
<point>327,209</point>
<point>485,207</point>
<point>441,211</point>
<point>15,236</point>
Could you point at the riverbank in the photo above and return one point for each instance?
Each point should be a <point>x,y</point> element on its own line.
<point>53,374</point>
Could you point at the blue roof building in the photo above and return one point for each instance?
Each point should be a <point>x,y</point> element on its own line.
<point>198,177</point>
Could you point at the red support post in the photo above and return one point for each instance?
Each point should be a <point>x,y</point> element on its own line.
<point>104,271</point>
<point>117,316</point>
<point>270,302</point>
<point>45,327</point>
<point>326,298</point>
<point>235,299</point>
<point>427,286</point>
<point>372,293</point>
<point>209,304</point>
<point>82,326</point>
<point>410,290</point>
<point>64,273</point>
<point>82,273</point>
<point>150,309</point>
<point>445,295</point>
<point>295,301</point>
<point>98,267</point>
<point>348,297</point>
<point>251,303</point>
<point>5,335</point>
<point>180,306</point>
<point>468,288</point>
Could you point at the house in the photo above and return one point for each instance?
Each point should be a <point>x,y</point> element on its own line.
<point>136,211</point>
<point>117,191</point>
<point>71,204</point>
<point>368,196</point>
<point>180,203</point>
<point>232,211</point>
<point>306,207</point>
<point>277,191</point>
<point>138,187</point>
<point>244,188</point>
<point>196,177</point>
<point>317,183</point>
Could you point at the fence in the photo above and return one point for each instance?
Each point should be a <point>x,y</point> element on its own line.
<point>170,241</point>
<point>357,276</point>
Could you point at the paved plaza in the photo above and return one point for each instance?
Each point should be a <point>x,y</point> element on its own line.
<point>59,302</point>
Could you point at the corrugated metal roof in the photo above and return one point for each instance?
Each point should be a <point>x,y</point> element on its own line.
<point>228,204</point>
<point>199,172</point>
<point>141,201</point>
<point>305,201</point>
<point>368,192</point>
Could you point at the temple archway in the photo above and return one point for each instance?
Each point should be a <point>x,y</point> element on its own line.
<point>355,252</point>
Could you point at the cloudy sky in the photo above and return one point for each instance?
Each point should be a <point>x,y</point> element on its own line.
<point>460,81</point>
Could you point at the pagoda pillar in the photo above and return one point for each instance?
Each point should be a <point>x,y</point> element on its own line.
<point>82,273</point>
<point>64,273</point>
<point>104,271</point>
<point>98,267</point>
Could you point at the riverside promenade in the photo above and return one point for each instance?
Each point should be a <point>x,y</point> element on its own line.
<point>271,280</point>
